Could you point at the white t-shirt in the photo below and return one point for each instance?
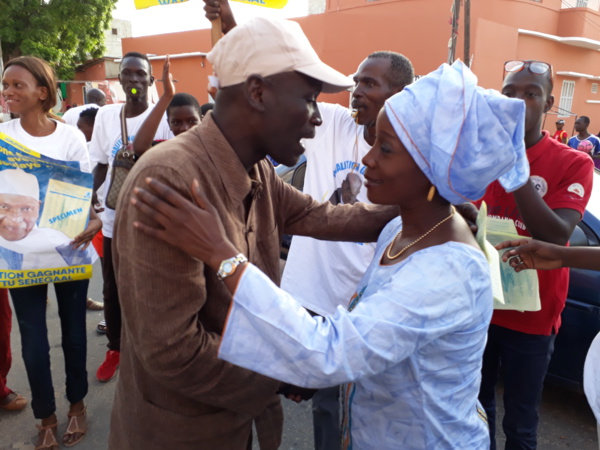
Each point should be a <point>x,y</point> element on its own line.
<point>46,248</point>
<point>591,377</point>
<point>65,144</point>
<point>323,274</point>
<point>106,141</point>
<point>72,115</point>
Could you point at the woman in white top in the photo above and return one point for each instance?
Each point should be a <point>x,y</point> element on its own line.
<point>29,90</point>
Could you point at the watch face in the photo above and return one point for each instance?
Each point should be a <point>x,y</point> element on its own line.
<point>227,267</point>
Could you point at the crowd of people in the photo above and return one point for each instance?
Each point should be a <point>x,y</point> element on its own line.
<point>583,141</point>
<point>385,309</point>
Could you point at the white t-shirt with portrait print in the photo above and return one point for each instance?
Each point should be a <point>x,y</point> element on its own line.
<point>64,144</point>
<point>107,140</point>
<point>324,274</point>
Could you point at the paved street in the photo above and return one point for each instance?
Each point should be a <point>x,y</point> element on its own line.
<point>567,421</point>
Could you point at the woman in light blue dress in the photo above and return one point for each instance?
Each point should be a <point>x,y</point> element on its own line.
<point>409,346</point>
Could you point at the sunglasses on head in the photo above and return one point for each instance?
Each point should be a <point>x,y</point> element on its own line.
<point>535,67</point>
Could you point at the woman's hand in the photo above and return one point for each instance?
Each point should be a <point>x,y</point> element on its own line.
<point>82,241</point>
<point>196,229</point>
<point>531,254</point>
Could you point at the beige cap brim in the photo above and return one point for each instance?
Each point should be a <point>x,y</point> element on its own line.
<point>333,81</point>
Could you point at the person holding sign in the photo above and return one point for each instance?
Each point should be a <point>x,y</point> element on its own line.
<point>408,350</point>
<point>29,90</point>
<point>547,208</point>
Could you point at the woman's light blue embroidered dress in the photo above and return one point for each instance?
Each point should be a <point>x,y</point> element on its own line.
<point>410,350</point>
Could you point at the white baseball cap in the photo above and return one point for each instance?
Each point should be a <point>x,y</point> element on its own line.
<point>19,182</point>
<point>266,47</point>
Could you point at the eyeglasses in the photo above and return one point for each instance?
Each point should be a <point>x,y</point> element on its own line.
<point>535,67</point>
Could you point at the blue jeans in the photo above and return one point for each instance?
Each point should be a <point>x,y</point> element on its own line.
<point>30,309</point>
<point>523,359</point>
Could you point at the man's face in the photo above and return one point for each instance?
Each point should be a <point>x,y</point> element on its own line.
<point>86,128</point>
<point>134,73</point>
<point>182,118</point>
<point>580,125</point>
<point>290,115</point>
<point>18,214</point>
<point>350,188</point>
<point>559,126</point>
<point>534,90</point>
<point>371,89</point>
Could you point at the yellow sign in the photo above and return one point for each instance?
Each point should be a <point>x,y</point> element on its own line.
<point>66,207</point>
<point>143,4</point>
<point>275,4</point>
<point>23,278</point>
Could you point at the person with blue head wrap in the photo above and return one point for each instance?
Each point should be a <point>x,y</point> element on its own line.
<point>409,345</point>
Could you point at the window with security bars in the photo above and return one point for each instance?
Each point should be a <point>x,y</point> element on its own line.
<point>594,88</point>
<point>566,98</point>
<point>581,4</point>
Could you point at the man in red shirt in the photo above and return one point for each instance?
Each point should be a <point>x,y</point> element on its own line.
<point>560,135</point>
<point>547,208</point>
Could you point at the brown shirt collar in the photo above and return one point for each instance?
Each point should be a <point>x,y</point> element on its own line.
<point>236,181</point>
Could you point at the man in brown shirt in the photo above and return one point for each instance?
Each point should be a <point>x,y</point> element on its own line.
<point>173,391</point>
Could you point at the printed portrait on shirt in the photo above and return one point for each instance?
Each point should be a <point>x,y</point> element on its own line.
<point>350,189</point>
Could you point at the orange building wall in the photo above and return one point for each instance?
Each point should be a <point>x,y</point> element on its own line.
<point>351,29</point>
<point>96,72</point>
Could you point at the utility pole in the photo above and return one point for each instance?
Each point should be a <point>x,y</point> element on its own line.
<point>467,43</point>
<point>454,33</point>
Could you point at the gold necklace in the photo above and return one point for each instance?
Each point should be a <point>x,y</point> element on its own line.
<point>417,240</point>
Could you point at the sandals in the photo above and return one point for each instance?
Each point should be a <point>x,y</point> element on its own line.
<point>77,425</point>
<point>101,328</point>
<point>47,437</point>
<point>17,403</point>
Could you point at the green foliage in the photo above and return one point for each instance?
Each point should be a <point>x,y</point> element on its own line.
<point>65,33</point>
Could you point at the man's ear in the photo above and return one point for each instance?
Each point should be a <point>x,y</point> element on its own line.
<point>549,103</point>
<point>398,89</point>
<point>151,80</point>
<point>254,92</point>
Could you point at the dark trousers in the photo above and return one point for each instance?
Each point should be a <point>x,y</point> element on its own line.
<point>523,359</point>
<point>326,418</point>
<point>5,354</point>
<point>30,309</point>
<point>112,307</point>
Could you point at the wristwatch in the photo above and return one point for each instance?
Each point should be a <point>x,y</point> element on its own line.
<point>228,266</point>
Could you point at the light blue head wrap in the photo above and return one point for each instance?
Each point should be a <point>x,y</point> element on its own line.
<point>462,137</point>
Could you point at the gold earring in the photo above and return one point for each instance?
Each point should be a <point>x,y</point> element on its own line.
<point>431,193</point>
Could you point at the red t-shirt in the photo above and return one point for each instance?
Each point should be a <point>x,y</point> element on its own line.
<point>563,177</point>
<point>559,135</point>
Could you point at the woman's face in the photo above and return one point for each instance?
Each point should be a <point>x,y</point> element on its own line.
<point>392,176</point>
<point>21,91</point>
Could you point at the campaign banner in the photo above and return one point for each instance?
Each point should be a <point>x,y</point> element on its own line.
<point>275,4</point>
<point>44,204</point>
<point>143,4</point>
